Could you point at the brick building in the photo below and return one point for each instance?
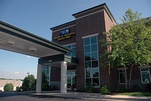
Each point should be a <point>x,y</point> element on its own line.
<point>82,36</point>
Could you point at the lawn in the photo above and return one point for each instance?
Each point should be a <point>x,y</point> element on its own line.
<point>136,93</point>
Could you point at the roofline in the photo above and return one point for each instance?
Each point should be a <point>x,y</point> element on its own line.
<point>61,25</point>
<point>61,48</point>
<point>106,8</point>
<point>88,9</point>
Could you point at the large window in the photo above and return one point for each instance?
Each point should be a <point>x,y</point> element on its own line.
<point>145,75</point>
<point>91,60</point>
<point>73,48</point>
<point>46,71</point>
<point>121,73</point>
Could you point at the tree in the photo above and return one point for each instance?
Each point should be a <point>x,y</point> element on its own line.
<point>29,83</point>
<point>128,44</point>
<point>8,87</point>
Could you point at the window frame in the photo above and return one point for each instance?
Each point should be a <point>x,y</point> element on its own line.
<point>85,61</point>
<point>141,72</point>
<point>119,77</point>
<point>71,44</point>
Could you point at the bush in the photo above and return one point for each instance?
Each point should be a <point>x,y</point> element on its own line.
<point>104,90</point>
<point>18,89</point>
<point>8,87</point>
<point>121,89</point>
<point>148,86</point>
<point>90,89</point>
<point>29,83</point>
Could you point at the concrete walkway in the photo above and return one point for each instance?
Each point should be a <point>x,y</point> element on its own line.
<point>89,96</point>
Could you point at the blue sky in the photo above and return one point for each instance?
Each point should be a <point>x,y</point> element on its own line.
<point>38,16</point>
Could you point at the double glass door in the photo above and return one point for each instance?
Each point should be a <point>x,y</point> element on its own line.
<point>71,80</point>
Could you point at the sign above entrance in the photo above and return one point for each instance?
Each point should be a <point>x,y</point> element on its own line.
<point>64,34</point>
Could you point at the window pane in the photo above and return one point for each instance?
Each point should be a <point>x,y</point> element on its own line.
<point>95,72</point>
<point>145,78</point>
<point>94,56</point>
<point>95,82</point>
<point>87,49</point>
<point>88,81</point>
<point>122,76</point>
<point>74,52</point>
<point>87,57</point>
<point>94,48</point>
<point>69,47</point>
<point>93,40</point>
<point>86,41</point>
<point>94,64</point>
<point>74,45</point>
<point>88,64</point>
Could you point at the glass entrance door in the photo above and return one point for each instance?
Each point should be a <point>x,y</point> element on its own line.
<point>71,81</point>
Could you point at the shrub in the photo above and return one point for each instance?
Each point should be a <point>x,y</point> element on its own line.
<point>148,86</point>
<point>18,89</point>
<point>8,87</point>
<point>90,89</point>
<point>104,90</point>
<point>121,89</point>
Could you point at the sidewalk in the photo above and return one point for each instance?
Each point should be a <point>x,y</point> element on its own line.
<point>88,96</point>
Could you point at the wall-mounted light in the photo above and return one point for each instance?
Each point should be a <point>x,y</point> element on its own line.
<point>10,43</point>
<point>32,49</point>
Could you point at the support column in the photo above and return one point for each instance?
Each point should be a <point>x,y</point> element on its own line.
<point>39,78</point>
<point>63,77</point>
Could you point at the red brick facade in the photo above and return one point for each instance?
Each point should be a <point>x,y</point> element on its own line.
<point>95,20</point>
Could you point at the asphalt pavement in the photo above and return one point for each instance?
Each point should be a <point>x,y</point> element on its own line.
<point>70,96</point>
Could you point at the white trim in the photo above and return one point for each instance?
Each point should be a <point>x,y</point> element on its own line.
<point>147,72</point>
<point>90,35</point>
<point>143,66</point>
<point>63,28</point>
<point>89,14</point>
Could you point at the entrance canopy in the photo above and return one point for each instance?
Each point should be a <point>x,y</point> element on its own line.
<point>17,40</point>
<point>20,41</point>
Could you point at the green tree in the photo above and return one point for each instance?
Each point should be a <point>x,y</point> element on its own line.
<point>8,87</point>
<point>128,44</point>
<point>29,83</point>
<point>45,83</point>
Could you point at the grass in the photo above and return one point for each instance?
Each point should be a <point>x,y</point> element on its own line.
<point>136,93</point>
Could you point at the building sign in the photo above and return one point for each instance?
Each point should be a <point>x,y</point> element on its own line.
<point>64,34</point>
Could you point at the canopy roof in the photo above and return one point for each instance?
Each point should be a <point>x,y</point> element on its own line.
<point>17,40</point>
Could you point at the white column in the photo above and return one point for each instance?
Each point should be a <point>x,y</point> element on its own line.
<point>39,78</point>
<point>63,77</point>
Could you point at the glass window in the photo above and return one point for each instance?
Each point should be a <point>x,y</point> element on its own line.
<point>94,48</point>
<point>87,49</point>
<point>93,39</point>
<point>86,41</point>
<point>46,71</point>
<point>94,56</point>
<point>87,57</point>
<point>91,61</point>
<point>95,81</point>
<point>145,75</point>
<point>73,48</point>
<point>121,76</point>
